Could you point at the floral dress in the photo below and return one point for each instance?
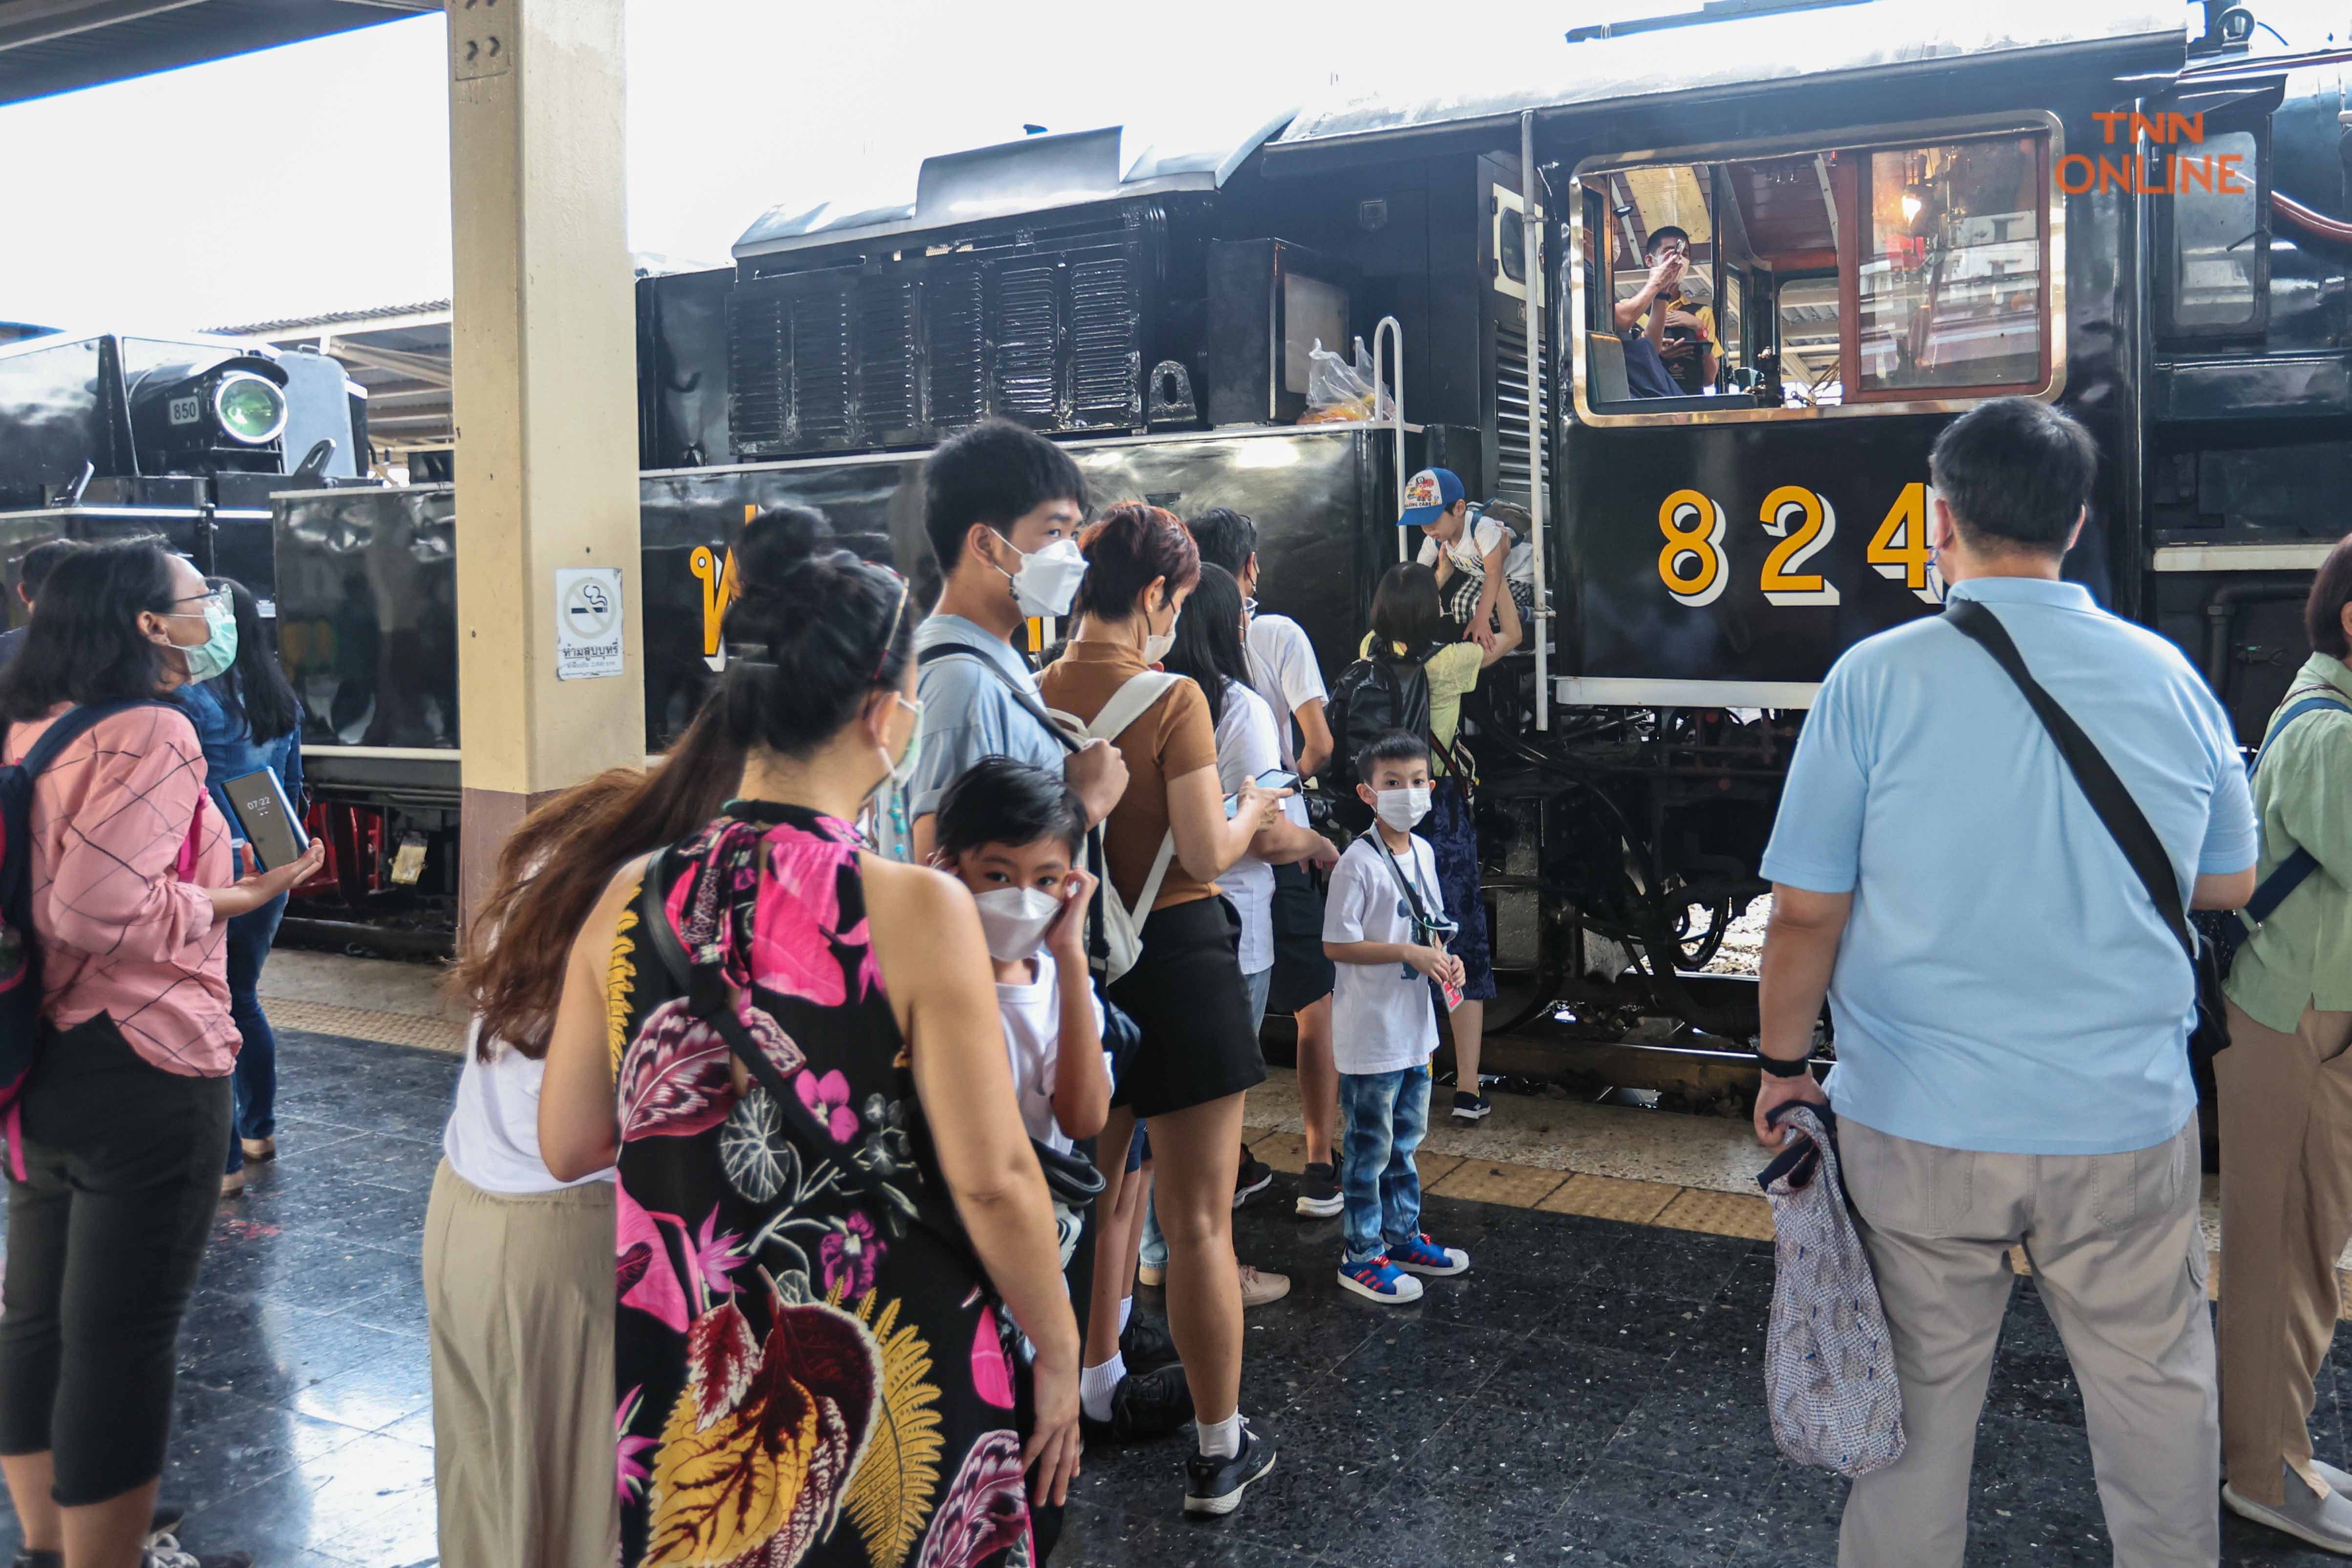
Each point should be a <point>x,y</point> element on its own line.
<point>813,1368</point>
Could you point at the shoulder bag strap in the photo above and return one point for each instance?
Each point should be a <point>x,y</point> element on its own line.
<point>1020,700</point>
<point>2107,792</point>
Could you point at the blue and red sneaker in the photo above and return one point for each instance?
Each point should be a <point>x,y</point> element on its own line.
<point>1377,1279</point>
<point>1424,1255</point>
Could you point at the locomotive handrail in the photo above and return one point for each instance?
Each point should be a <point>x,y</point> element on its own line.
<point>1538,418</point>
<point>1392,329</point>
<point>2305,219</point>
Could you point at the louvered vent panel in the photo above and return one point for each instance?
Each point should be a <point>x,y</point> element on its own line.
<point>821,366</point>
<point>1106,369</point>
<point>1027,320</point>
<point>1511,413</point>
<point>958,347</point>
<point>890,400</point>
<point>759,370</point>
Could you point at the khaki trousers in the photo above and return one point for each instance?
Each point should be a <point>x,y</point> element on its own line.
<point>2121,1267</point>
<point>518,1293</point>
<point>2286,1212</point>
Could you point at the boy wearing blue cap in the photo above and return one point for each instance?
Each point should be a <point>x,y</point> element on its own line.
<point>1458,545</point>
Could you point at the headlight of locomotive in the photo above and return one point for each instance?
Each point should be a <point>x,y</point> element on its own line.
<point>250,409</point>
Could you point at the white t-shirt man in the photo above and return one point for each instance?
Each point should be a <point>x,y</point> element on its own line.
<point>1283,670</point>
<point>1481,539</point>
<point>1033,1040</point>
<point>1247,747</point>
<point>1382,1018</point>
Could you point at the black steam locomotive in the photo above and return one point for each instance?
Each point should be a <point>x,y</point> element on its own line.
<point>1892,212</point>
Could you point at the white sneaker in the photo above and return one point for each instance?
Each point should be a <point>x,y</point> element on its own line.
<point>2322,1521</point>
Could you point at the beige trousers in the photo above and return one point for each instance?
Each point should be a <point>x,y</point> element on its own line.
<point>2121,1267</point>
<point>518,1291</point>
<point>2286,1212</point>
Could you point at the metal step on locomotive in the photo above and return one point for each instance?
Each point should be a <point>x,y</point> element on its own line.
<point>1891,213</point>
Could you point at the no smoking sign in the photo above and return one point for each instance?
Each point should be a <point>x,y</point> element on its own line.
<point>587,622</point>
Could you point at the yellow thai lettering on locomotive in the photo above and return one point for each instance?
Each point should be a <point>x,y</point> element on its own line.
<point>1691,563</point>
<point>1804,522</point>
<point>720,587</point>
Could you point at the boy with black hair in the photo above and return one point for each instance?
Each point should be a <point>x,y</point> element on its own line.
<point>1010,833</point>
<point>1284,670</point>
<point>1384,927</point>
<point>1002,507</point>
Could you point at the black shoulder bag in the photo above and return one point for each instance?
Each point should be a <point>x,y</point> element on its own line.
<point>2119,812</point>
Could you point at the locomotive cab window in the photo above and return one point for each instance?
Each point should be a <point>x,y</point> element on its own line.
<point>1911,274</point>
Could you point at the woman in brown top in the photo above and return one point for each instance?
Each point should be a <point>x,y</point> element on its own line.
<point>1200,1050</point>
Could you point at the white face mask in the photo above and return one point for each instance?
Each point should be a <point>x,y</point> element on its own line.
<point>897,775</point>
<point>1157,644</point>
<point>1402,809</point>
<point>1048,579</point>
<point>1013,920</point>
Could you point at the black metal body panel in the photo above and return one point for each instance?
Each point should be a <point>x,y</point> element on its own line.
<point>1627,623</point>
<point>367,614</point>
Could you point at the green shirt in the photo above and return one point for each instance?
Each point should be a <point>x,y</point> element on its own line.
<point>2302,956</point>
<point>1452,672</point>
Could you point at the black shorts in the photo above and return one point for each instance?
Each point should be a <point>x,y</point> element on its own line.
<point>1186,995</point>
<point>1302,975</point>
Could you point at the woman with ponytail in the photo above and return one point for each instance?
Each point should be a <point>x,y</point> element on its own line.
<point>789,1047</point>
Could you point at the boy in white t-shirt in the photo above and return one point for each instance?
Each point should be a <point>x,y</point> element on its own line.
<point>1010,831</point>
<point>1458,543</point>
<point>1383,926</point>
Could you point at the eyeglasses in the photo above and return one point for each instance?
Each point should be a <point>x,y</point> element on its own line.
<point>214,597</point>
<point>890,633</point>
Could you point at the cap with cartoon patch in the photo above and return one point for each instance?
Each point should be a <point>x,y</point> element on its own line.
<point>1427,495</point>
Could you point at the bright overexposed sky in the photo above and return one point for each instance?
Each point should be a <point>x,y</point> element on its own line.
<point>315,177</point>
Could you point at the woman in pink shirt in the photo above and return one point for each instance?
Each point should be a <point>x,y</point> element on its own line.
<point>115,1167</point>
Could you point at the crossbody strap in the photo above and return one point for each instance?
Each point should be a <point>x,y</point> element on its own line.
<point>2296,869</point>
<point>2108,796</point>
<point>1021,699</point>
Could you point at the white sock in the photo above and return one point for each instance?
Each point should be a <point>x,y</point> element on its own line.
<point>1219,1439</point>
<point>1096,1386</point>
<point>1126,1310</point>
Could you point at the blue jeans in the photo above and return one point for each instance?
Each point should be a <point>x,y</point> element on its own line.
<point>249,937</point>
<point>1385,1116</point>
<point>1155,1246</point>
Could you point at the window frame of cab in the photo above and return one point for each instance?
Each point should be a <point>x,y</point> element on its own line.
<point>1592,287</point>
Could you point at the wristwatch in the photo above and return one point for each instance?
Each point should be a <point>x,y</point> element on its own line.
<point>1800,1068</point>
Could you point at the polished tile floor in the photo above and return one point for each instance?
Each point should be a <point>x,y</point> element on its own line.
<point>1590,1393</point>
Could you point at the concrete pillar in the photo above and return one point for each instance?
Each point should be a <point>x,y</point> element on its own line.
<point>544,357</point>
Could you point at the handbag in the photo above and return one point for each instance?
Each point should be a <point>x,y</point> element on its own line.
<point>2120,815</point>
<point>1828,1364</point>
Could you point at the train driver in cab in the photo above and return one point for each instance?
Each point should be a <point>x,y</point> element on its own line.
<point>1680,327</point>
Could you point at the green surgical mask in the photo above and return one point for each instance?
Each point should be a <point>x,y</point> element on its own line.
<point>213,656</point>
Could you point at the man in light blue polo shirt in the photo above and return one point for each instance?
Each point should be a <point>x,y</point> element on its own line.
<point>1002,507</point>
<point>2012,1015</point>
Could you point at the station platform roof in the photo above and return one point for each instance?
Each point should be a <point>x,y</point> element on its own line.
<point>59,45</point>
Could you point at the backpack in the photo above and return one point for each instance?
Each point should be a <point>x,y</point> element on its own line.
<point>1371,697</point>
<point>20,954</point>
<point>1115,934</point>
<point>1117,940</point>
